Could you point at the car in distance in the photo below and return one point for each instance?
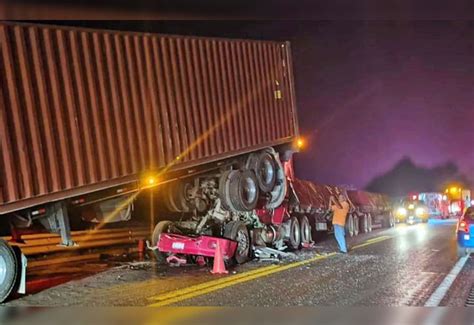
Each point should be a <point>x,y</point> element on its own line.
<point>411,212</point>
<point>465,232</point>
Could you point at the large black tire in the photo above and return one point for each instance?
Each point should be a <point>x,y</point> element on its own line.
<point>161,227</point>
<point>8,270</point>
<point>237,231</point>
<point>350,226</point>
<point>392,220</point>
<point>294,237</point>
<point>386,222</point>
<point>461,251</point>
<point>175,199</point>
<point>224,183</point>
<point>264,166</point>
<point>305,230</point>
<point>243,191</point>
<point>278,193</point>
<point>356,224</point>
<point>365,223</point>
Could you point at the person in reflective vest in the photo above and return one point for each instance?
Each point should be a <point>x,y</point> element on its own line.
<point>340,208</point>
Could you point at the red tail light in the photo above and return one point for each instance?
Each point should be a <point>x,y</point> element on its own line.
<point>463,226</point>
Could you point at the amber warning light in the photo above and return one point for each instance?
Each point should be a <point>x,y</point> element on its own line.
<point>150,180</point>
<point>300,143</point>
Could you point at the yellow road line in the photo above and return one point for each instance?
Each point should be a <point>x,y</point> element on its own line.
<point>377,239</point>
<point>201,289</point>
<point>371,241</point>
<point>210,286</point>
<point>211,283</point>
<point>177,315</point>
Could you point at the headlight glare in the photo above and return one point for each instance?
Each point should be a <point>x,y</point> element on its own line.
<point>419,211</point>
<point>402,211</point>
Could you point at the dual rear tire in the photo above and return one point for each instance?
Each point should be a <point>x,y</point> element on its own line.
<point>299,233</point>
<point>366,225</point>
<point>239,190</point>
<point>261,177</point>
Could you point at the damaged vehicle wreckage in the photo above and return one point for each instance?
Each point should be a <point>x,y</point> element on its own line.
<point>93,121</point>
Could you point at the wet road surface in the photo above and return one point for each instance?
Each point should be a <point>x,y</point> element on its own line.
<point>395,267</point>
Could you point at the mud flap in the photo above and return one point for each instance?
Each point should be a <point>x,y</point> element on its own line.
<point>23,266</point>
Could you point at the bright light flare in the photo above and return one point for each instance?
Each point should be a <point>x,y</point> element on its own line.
<point>454,190</point>
<point>420,211</point>
<point>300,143</point>
<point>150,180</point>
<point>402,211</point>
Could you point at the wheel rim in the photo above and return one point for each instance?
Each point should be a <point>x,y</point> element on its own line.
<point>267,172</point>
<point>242,242</point>
<point>305,231</point>
<point>295,233</point>
<point>3,269</point>
<point>250,190</point>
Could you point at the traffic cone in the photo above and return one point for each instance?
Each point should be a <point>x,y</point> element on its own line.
<point>219,266</point>
<point>141,249</point>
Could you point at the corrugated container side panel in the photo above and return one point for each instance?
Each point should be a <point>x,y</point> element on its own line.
<point>84,107</point>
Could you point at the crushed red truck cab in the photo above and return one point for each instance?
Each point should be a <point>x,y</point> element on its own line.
<point>200,246</point>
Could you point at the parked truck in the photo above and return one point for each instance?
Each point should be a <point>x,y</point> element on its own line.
<point>366,210</point>
<point>95,118</point>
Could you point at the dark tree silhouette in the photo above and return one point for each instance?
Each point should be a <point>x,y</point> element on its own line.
<point>407,177</point>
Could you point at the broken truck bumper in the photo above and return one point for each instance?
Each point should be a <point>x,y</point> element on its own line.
<point>202,245</point>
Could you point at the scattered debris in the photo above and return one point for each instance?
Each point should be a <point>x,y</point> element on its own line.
<point>267,254</point>
<point>174,260</point>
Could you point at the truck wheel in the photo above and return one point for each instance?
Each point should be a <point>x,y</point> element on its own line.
<point>175,197</point>
<point>385,222</point>
<point>224,194</point>
<point>8,270</point>
<point>264,166</point>
<point>243,190</point>
<point>305,229</point>
<point>392,221</point>
<point>161,227</point>
<point>461,251</point>
<point>356,225</point>
<point>294,237</point>
<point>237,231</point>
<point>278,192</point>
<point>369,222</point>
<point>350,225</point>
<point>365,224</point>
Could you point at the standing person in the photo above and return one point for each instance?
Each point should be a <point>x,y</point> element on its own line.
<point>340,210</point>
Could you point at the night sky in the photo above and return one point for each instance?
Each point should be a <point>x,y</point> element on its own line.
<point>368,93</point>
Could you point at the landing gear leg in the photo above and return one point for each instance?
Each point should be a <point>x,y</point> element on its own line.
<point>57,221</point>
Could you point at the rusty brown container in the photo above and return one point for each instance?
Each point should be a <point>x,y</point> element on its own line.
<point>83,110</point>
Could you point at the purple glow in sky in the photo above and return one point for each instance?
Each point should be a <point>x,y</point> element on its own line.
<point>373,93</point>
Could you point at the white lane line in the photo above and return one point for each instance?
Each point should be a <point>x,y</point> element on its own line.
<point>443,288</point>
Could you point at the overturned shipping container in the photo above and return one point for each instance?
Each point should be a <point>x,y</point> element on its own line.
<point>84,110</point>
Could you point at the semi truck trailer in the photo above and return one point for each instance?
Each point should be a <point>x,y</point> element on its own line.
<point>90,120</point>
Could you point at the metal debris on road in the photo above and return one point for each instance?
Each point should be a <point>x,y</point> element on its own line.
<point>267,254</point>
